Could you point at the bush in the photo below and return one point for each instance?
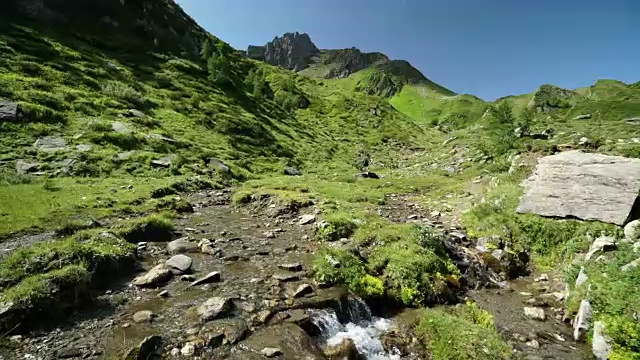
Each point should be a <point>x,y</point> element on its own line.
<point>336,227</point>
<point>124,93</point>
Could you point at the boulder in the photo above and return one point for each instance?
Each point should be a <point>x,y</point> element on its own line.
<point>535,313</point>
<point>149,348</point>
<point>633,120</point>
<point>84,147</point>
<point>23,167</point>
<point>582,278</point>
<point>50,144</point>
<point>213,308</point>
<point>601,344</point>
<point>164,161</point>
<point>271,352</point>
<point>211,277</point>
<point>8,110</point>
<point>307,219</point>
<point>218,165</point>
<point>630,266</point>
<point>181,263</point>
<point>181,246</point>
<point>582,321</point>
<point>125,155</point>
<point>157,276</point>
<point>632,231</point>
<point>121,128</point>
<point>601,244</point>
<point>583,185</point>
<point>143,316</point>
<point>291,266</point>
<point>299,291</point>
<point>293,342</point>
<point>346,350</point>
<point>291,171</point>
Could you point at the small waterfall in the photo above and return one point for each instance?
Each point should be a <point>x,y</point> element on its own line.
<point>354,321</point>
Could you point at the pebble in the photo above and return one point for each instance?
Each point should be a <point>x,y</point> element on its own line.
<point>533,344</point>
<point>164,294</point>
<point>271,352</point>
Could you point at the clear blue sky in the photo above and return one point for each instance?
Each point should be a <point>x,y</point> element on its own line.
<point>489,48</point>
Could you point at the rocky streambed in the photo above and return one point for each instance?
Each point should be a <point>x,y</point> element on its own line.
<point>235,284</point>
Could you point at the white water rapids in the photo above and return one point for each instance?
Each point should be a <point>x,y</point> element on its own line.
<point>358,325</point>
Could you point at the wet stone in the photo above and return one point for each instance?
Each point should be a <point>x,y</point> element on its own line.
<point>211,277</point>
<point>213,307</point>
<point>181,246</point>
<point>300,291</point>
<point>291,267</point>
<point>180,263</point>
<point>68,352</point>
<point>285,277</point>
<point>158,275</point>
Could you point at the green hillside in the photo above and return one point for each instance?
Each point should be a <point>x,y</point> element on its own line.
<point>114,121</point>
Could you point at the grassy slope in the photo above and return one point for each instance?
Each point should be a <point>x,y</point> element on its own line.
<point>257,137</point>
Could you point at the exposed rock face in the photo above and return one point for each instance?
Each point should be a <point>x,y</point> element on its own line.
<point>351,60</point>
<point>601,342</point>
<point>582,185</point>
<point>8,110</point>
<point>582,321</point>
<point>292,51</point>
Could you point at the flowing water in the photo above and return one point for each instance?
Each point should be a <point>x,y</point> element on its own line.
<point>354,321</point>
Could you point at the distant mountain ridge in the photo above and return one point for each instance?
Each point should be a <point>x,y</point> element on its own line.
<point>296,51</point>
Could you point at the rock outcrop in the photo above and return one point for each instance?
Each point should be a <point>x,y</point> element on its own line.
<point>583,185</point>
<point>292,51</point>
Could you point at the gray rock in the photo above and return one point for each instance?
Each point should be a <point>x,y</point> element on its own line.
<point>307,219</point>
<point>633,120</point>
<point>8,110</point>
<point>158,275</point>
<point>630,266</point>
<point>300,291</point>
<point>119,127</point>
<point>632,231</point>
<point>160,137</point>
<point>163,294</point>
<point>125,155</point>
<point>291,266</point>
<point>180,262</point>
<point>601,244</point>
<point>601,344</point>
<point>181,246</point>
<point>164,161</point>
<point>213,308</point>
<point>68,353</point>
<point>582,278</point>
<point>149,347</point>
<point>284,277</point>
<point>582,185</point>
<point>291,171</point>
<point>535,313</point>
<point>136,113</point>
<point>582,321</point>
<point>271,352</point>
<point>218,165</point>
<point>84,147</point>
<point>187,278</point>
<point>211,277</point>
<point>23,167</point>
<point>584,141</point>
<point>188,349</point>
<point>292,51</point>
<point>50,144</point>
<point>582,117</point>
<point>143,316</point>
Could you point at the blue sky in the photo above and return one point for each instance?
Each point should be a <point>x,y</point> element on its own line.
<point>489,48</point>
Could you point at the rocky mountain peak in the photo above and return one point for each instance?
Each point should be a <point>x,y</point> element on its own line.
<point>292,51</point>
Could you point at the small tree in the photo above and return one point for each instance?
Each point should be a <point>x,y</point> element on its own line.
<point>218,67</point>
<point>207,49</point>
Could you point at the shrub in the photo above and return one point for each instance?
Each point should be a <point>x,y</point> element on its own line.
<point>151,228</point>
<point>336,226</point>
<point>124,93</point>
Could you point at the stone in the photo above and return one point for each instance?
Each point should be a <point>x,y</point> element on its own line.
<point>188,349</point>
<point>182,246</point>
<point>300,291</point>
<point>271,352</point>
<point>307,219</point>
<point>582,117</point>
<point>23,167</point>
<point>291,171</point>
<point>582,278</point>
<point>143,316</point>
<point>83,147</point>
<point>50,144</point>
<point>346,350</point>
<point>583,185</point>
<point>533,344</point>
<point>291,266</point>
<point>121,128</point>
<point>125,155</point>
<point>135,113</point>
<point>601,343</point>
<point>148,348</point>
<point>159,137</point>
<point>164,161</point>
<point>218,165</point>
<point>632,120</point>
<point>630,266</point>
<point>211,277</point>
<point>601,244</point>
<point>535,313</point>
<point>368,175</point>
<point>180,262</point>
<point>68,352</point>
<point>164,294</point>
<point>285,277</point>
<point>542,277</point>
<point>213,308</point>
<point>584,141</point>
<point>582,321</point>
<point>157,276</point>
<point>8,110</point>
<point>187,278</point>
<point>632,231</point>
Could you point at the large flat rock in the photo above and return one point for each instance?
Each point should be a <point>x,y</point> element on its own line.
<point>583,185</point>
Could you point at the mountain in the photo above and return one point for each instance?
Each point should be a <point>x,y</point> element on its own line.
<point>295,51</point>
<point>287,173</point>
